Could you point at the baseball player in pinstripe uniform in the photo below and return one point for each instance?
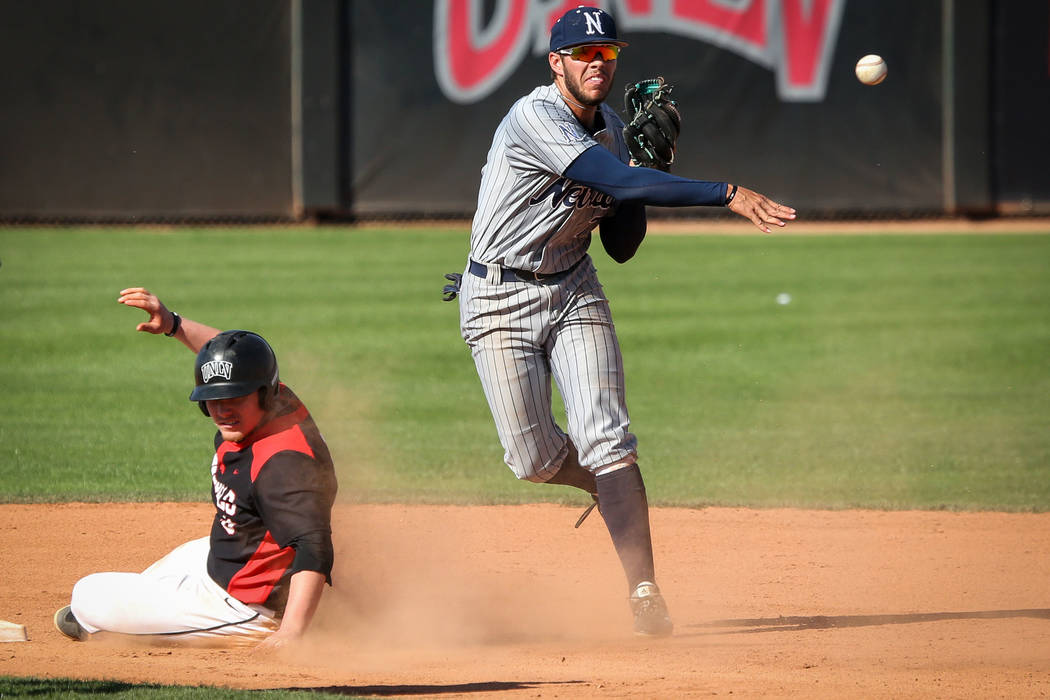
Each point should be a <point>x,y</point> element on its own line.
<point>531,305</point>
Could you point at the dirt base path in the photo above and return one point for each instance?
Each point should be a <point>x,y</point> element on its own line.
<point>512,602</point>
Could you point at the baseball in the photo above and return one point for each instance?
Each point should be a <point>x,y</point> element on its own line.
<point>871,69</point>
<point>783,298</point>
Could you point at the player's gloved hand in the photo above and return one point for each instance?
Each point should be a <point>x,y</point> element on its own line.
<point>653,123</point>
<point>451,291</point>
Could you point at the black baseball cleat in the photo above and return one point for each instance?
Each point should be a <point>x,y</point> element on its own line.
<point>68,625</point>
<point>650,611</point>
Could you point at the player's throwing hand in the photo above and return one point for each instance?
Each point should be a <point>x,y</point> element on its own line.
<point>760,209</point>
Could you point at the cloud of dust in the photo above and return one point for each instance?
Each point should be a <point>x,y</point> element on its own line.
<point>435,578</point>
<point>431,578</point>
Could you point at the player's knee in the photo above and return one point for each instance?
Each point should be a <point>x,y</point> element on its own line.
<point>90,601</point>
<point>533,470</point>
<point>528,475</point>
<point>86,588</point>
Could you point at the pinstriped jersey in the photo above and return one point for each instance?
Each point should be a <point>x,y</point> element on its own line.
<point>529,216</point>
<point>273,495</point>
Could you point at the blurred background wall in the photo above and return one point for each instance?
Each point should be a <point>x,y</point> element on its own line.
<point>284,110</point>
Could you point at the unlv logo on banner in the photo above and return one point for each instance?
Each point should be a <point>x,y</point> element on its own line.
<point>793,38</point>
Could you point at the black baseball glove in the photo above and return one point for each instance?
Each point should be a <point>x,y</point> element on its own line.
<point>653,123</point>
<point>451,291</point>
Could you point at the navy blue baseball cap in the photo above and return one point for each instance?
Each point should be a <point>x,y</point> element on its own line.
<point>584,25</point>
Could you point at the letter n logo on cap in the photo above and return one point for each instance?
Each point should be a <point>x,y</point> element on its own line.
<point>594,23</point>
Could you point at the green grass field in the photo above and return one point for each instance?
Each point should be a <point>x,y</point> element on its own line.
<point>69,689</point>
<point>907,371</point>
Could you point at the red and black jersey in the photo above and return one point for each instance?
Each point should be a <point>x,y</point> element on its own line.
<point>273,497</point>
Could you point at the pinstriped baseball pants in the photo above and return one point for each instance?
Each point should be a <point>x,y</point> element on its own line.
<point>523,333</point>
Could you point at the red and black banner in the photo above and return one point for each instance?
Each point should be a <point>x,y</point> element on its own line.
<point>766,88</point>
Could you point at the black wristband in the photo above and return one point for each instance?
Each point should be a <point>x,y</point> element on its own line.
<point>729,197</point>
<point>176,321</point>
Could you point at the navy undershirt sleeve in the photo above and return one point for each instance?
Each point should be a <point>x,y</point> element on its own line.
<point>601,170</point>
<point>622,232</point>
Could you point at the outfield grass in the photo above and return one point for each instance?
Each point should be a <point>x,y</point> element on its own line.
<point>69,689</point>
<point>906,371</point>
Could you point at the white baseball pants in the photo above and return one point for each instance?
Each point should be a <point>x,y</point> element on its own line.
<point>174,601</point>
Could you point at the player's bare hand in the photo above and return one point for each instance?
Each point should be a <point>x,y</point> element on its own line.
<point>760,209</point>
<point>276,642</point>
<point>160,319</point>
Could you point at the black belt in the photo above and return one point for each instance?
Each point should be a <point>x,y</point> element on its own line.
<point>509,274</point>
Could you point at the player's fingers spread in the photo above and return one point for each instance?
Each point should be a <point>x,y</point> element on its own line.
<point>757,221</point>
<point>771,213</point>
<point>771,208</point>
<point>756,207</point>
<point>771,218</point>
<point>763,218</point>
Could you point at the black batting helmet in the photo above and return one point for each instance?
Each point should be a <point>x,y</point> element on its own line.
<point>232,364</point>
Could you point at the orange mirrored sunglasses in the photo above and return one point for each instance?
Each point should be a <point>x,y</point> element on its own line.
<point>588,53</point>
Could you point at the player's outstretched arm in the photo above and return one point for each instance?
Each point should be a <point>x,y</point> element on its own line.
<point>601,170</point>
<point>161,320</point>
<point>760,209</point>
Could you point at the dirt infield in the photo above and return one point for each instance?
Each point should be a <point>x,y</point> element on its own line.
<point>512,602</point>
